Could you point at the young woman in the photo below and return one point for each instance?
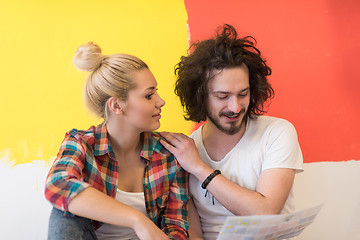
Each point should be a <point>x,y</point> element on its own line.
<point>115,180</point>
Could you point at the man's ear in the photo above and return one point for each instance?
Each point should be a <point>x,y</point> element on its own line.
<point>115,105</point>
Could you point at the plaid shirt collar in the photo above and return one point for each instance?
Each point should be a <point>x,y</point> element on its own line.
<point>151,143</point>
<point>102,144</point>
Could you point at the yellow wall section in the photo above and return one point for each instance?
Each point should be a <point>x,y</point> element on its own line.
<point>41,92</point>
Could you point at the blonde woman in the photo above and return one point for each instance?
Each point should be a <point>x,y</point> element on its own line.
<point>115,180</point>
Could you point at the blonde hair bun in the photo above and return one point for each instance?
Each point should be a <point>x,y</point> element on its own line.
<point>88,57</point>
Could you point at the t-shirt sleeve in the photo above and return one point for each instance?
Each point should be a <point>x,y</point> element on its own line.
<point>282,147</point>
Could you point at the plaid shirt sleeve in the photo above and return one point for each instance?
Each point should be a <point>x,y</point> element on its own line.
<point>65,178</point>
<point>175,222</point>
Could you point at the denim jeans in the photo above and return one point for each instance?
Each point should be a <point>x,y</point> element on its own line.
<point>69,228</point>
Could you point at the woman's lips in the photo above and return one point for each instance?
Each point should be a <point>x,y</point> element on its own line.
<point>157,116</point>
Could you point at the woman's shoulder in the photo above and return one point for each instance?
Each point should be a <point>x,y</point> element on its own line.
<point>153,137</point>
<point>152,140</point>
<point>78,133</point>
<point>75,136</point>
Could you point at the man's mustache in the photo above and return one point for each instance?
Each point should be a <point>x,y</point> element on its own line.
<point>231,113</point>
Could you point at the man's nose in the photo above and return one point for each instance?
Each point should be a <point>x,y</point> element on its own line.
<point>234,105</point>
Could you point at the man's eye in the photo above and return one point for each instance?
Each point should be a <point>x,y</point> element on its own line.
<point>222,97</point>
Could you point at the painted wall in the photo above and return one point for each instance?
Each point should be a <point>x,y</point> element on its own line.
<point>312,47</point>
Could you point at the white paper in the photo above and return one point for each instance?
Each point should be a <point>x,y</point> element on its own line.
<point>264,227</point>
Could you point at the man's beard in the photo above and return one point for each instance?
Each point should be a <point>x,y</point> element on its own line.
<point>233,129</point>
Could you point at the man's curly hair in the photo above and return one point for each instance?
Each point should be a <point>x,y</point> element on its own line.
<point>226,50</point>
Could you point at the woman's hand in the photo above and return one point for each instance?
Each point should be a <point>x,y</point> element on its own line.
<point>145,229</point>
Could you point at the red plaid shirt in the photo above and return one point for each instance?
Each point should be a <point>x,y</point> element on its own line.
<point>86,159</point>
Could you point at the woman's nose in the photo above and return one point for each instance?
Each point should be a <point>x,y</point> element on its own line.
<point>160,103</point>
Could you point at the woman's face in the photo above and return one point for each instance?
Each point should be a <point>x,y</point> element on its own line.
<point>143,107</point>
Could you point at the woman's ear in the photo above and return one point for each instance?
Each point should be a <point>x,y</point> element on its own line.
<point>115,105</point>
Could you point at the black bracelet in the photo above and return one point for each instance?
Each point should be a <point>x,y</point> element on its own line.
<point>209,178</point>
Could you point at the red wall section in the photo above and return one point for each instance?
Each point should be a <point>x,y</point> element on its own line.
<point>313,48</point>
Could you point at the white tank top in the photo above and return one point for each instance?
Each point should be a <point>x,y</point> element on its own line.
<point>113,232</point>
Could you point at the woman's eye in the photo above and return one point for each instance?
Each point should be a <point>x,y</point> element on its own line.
<point>148,97</point>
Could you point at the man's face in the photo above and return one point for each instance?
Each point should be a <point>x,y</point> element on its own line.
<point>229,98</point>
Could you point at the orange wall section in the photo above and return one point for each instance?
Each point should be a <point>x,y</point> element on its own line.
<point>312,48</point>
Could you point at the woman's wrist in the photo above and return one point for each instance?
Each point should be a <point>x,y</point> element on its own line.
<point>137,220</point>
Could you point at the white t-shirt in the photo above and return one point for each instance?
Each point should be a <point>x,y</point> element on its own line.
<point>113,232</point>
<point>268,142</point>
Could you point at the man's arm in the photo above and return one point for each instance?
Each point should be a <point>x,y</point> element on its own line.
<point>271,192</point>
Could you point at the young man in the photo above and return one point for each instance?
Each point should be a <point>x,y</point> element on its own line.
<point>241,163</point>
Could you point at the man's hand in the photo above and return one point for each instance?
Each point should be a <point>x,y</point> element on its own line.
<point>184,150</point>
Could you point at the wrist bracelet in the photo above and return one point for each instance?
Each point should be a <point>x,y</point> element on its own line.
<point>209,178</point>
